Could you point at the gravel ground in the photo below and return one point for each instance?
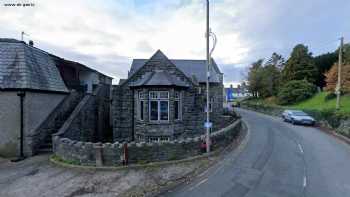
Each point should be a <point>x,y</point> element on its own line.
<point>37,177</point>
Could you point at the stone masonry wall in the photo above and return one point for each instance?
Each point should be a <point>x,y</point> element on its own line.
<point>53,121</point>
<point>83,123</point>
<point>87,153</point>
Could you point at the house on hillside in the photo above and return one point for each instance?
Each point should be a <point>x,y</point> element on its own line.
<point>33,85</point>
<point>164,99</point>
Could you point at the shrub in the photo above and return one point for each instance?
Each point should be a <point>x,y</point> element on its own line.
<point>295,91</point>
<point>330,96</point>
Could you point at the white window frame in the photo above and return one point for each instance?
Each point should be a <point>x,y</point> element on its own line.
<point>178,99</point>
<point>141,98</point>
<point>156,96</point>
<point>211,102</point>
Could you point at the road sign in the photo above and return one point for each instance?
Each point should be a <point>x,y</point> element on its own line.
<point>208,124</point>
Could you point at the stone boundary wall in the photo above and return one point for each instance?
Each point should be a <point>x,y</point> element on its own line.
<point>108,154</point>
<point>55,119</point>
<point>84,123</point>
<point>328,119</point>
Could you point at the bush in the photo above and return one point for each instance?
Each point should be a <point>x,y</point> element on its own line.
<point>295,91</point>
<point>330,96</point>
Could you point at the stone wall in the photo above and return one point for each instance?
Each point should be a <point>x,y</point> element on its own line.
<point>87,153</point>
<point>84,123</point>
<point>53,121</point>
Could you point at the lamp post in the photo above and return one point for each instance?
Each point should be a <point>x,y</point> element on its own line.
<point>209,52</point>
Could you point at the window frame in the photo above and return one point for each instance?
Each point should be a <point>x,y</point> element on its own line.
<point>179,105</point>
<point>140,109</point>
<point>156,96</point>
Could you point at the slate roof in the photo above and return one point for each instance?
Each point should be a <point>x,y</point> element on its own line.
<point>190,68</point>
<point>26,67</point>
<point>158,78</point>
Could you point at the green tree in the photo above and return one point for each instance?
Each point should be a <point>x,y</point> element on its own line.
<point>300,66</point>
<point>295,91</point>
<point>255,75</point>
<point>323,63</point>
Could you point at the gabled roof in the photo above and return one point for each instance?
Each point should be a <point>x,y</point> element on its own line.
<point>190,68</point>
<point>160,78</point>
<point>159,59</point>
<point>26,67</point>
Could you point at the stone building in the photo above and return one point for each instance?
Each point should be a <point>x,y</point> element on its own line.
<point>165,99</point>
<point>38,92</point>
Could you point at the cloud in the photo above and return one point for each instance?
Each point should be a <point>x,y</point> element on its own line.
<point>107,35</point>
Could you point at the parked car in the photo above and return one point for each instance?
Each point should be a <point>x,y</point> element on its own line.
<point>298,117</point>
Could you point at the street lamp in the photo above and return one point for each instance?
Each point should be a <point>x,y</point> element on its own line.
<point>209,52</point>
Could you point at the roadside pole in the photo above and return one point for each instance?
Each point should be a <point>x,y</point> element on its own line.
<point>208,76</point>
<point>338,88</point>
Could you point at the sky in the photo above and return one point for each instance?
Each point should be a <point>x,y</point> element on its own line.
<point>106,35</point>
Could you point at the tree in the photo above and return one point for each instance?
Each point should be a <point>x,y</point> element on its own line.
<point>272,74</point>
<point>277,60</point>
<point>323,63</point>
<point>255,77</point>
<point>332,78</point>
<point>295,91</point>
<point>300,66</point>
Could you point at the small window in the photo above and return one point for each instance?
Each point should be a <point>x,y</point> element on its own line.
<point>154,110</point>
<point>211,103</point>
<point>164,139</point>
<point>164,95</point>
<point>177,106</point>
<point>142,95</point>
<point>141,109</point>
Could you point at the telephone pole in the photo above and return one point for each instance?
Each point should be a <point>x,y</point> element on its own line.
<point>338,88</point>
<point>208,76</point>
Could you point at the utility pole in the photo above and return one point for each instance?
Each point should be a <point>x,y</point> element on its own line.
<point>208,76</point>
<point>338,88</point>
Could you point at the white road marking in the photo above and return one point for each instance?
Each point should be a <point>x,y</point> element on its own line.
<point>304,182</point>
<point>301,148</point>
<point>198,184</point>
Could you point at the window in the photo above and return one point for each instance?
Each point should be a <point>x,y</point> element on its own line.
<point>177,106</point>
<point>159,139</point>
<point>211,102</point>
<point>159,105</point>
<point>141,102</point>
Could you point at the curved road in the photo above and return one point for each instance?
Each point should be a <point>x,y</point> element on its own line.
<point>278,159</point>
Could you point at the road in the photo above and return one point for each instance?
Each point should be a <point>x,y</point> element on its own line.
<point>279,159</point>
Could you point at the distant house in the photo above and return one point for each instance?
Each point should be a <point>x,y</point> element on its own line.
<point>32,84</point>
<point>232,93</point>
<point>164,99</point>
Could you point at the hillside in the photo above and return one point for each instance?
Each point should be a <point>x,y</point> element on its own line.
<point>318,102</point>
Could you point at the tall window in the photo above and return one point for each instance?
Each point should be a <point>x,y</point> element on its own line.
<point>141,105</point>
<point>159,105</point>
<point>211,102</point>
<point>177,106</point>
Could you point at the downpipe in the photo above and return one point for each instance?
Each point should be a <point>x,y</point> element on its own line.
<point>21,95</point>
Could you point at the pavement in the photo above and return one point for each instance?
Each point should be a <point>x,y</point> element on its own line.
<point>279,159</point>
